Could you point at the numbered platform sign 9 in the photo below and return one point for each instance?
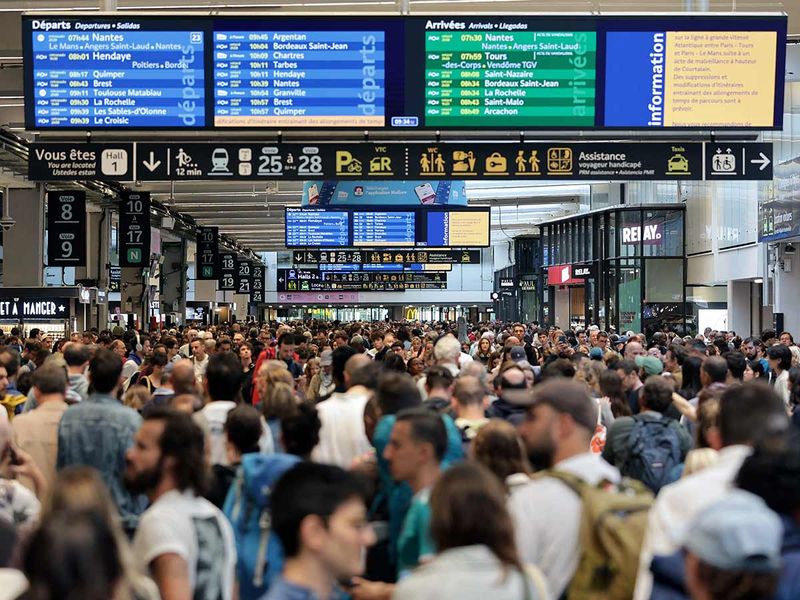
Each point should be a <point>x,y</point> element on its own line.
<point>134,230</point>
<point>66,229</point>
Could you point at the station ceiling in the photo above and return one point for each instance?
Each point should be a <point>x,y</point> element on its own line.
<point>253,215</point>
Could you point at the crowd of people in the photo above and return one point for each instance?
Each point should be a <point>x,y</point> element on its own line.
<point>323,460</point>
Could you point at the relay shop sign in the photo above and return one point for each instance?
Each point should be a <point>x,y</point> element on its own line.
<point>35,308</point>
<point>536,161</point>
<point>649,234</point>
<point>134,230</point>
<point>66,229</point>
<point>563,275</point>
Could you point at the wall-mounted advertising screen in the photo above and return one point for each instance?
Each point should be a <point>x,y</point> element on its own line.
<point>395,72</point>
<point>382,227</point>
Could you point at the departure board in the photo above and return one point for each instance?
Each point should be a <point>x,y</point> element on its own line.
<point>316,228</point>
<point>379,228</point>
<point>118,78</point>
<point>510,78</point>
<point>382,227</point>
<point>403,73</point>
<point>299,79</point>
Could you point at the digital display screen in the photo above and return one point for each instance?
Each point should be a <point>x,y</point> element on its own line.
<point>386,227</point>
<point>372,228</point>
<point>299,79</point>
<point>690,78</point>
<point>514,78</point>
<point>107,78</point>
<point>405,72</point>
<point>310,227</point>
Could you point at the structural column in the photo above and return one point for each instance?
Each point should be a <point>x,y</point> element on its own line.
<point>23,244</point>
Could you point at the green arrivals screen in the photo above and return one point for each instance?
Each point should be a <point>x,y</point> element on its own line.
<point>510,78</point>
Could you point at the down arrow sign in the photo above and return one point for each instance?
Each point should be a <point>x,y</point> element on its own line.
<point>152,164</point>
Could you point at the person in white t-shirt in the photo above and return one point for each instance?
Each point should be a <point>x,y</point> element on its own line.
<point>184,541</point>
<point>223,384</point>
<point>199,360</point>
<point>342,437</point>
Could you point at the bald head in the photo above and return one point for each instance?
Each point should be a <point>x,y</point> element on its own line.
<point>353,364</point>
<point>182,377</point>
<point>632,350</point>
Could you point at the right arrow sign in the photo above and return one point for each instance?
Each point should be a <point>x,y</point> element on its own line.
<point>742,161</point>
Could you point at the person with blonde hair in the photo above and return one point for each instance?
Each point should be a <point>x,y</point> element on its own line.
<point>136,397</point>
<point>80,489</point>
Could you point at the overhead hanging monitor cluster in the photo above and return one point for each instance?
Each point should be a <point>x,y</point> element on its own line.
<point>400,73</point>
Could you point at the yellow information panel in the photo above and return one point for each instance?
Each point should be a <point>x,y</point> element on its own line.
<point>469,229</point>
<point>719,78</point>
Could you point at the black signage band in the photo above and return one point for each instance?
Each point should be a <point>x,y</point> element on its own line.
<point>539,161</point>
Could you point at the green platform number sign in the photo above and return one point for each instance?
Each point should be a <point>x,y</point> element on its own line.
<point>134,229</point>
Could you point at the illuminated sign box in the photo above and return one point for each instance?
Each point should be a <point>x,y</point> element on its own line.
<point>421,227</point>
<point>396,72</point>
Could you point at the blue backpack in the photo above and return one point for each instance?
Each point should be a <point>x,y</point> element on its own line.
<point>654,450</point>
<point>259,551</point>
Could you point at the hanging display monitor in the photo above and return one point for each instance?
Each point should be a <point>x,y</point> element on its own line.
<point>108,73</point>
<point>382,227</point>
<point>323,72</point>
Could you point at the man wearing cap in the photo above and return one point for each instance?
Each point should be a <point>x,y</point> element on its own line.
<point>322,384</point>
<point>557,431</point>
<point>734,545</point>
<point>747,413</point>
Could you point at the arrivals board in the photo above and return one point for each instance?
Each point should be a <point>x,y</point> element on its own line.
<point>404,72</point>
<point>428,227</point>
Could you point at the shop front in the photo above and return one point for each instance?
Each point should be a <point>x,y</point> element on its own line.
<point>623,269</point>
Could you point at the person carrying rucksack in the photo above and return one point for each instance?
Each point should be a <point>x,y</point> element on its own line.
<point>260,555</point>
<point>578,521</point>
<point>648,446</point>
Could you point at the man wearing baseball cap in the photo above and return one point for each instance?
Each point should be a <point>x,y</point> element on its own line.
<point>733,549</point>
<point>557,431</point>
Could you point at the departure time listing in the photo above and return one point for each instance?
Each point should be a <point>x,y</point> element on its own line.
<point>117,76</point>
<point>503,77</point>
<point>299,79</point>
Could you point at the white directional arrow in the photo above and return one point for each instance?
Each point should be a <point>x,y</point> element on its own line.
<point>763,161</point>
<point>152,164</point>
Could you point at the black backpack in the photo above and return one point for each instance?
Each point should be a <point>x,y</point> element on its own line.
<point>654,450</point>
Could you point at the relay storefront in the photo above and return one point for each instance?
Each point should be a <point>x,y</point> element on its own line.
<point>620,268</point>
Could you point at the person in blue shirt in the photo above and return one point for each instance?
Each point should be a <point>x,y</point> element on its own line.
<point>319,513</point>
<point>99,431</point>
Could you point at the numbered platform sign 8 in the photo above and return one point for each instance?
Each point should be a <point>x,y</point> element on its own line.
<point>66,229</point>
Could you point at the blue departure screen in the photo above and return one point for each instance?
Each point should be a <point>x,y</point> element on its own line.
<point>299,79</point>
<point>309,228</point>
<point>115,77</point>
<point>380,228</point>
